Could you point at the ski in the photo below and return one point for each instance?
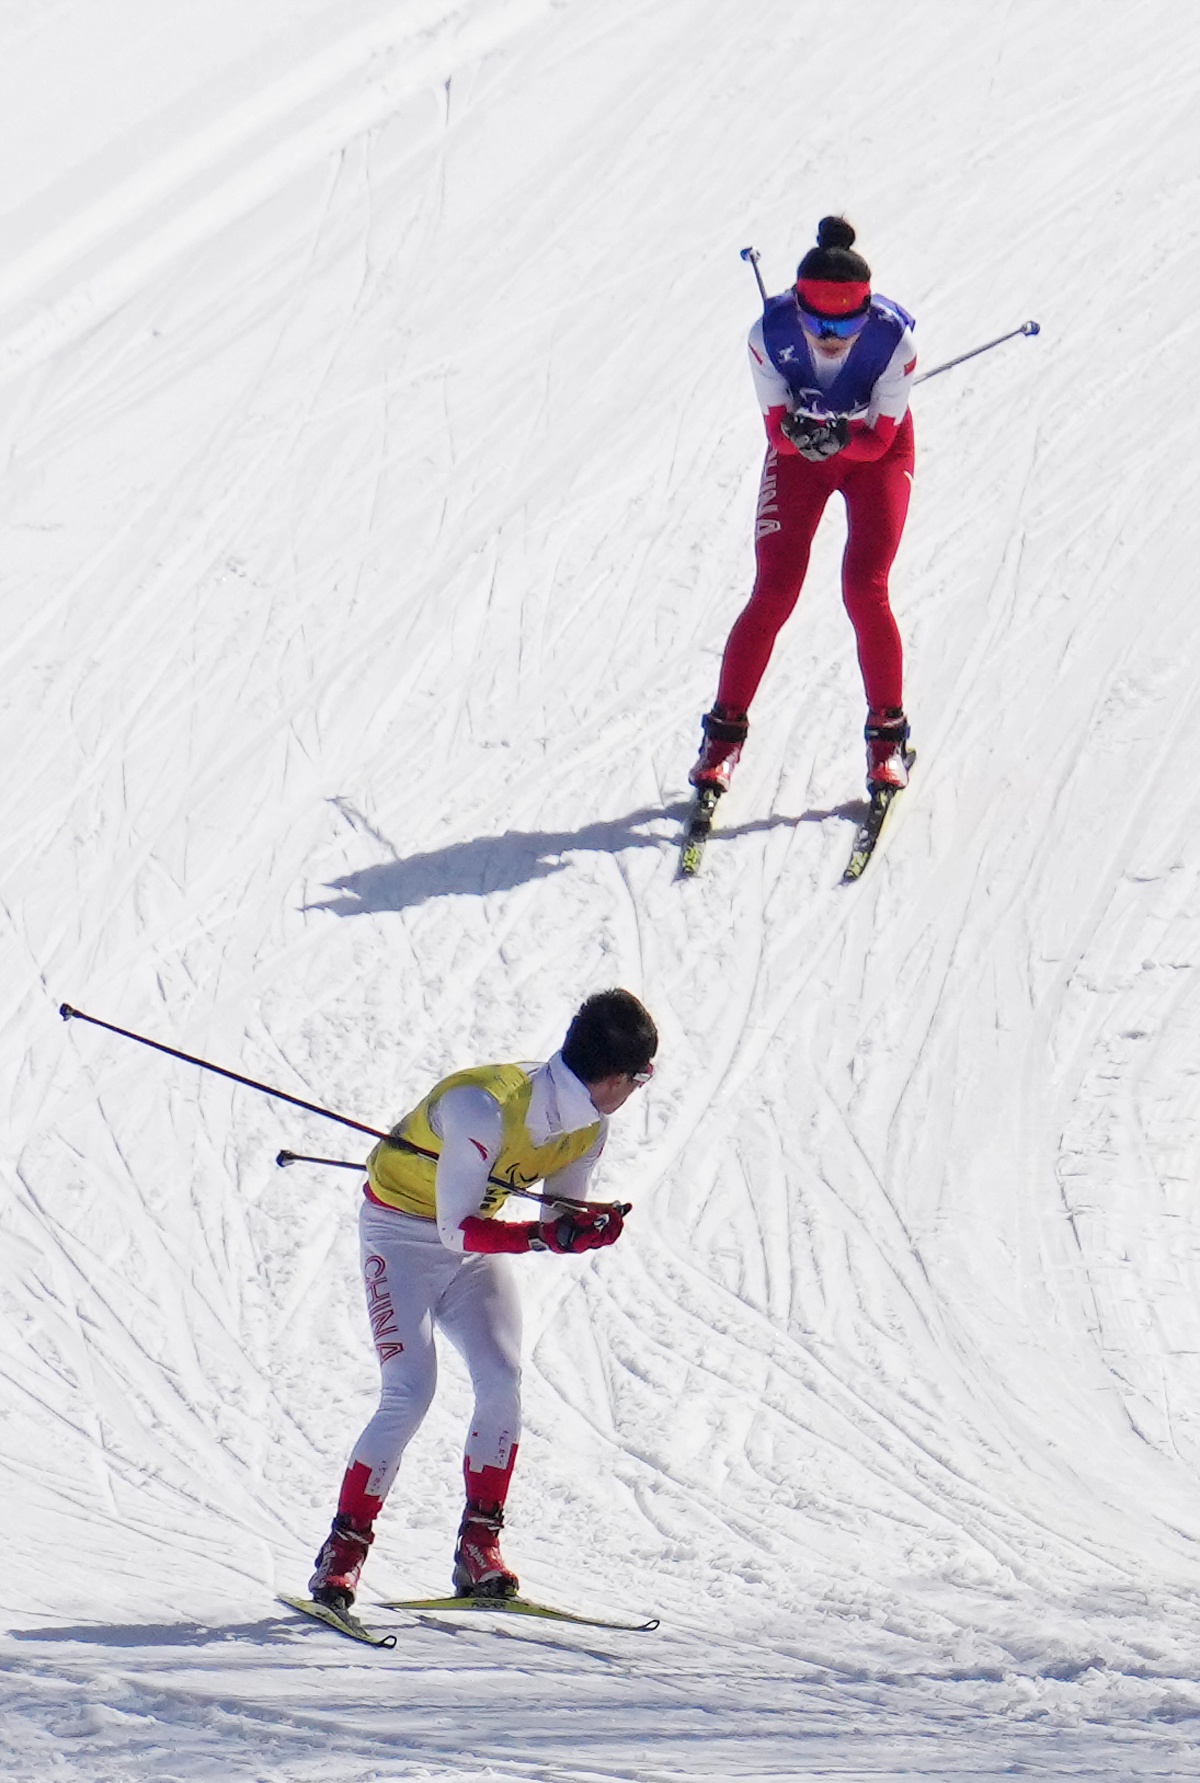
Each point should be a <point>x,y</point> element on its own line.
<point>347,1625</point>
<point>868,831</point>
<point>517,1606</point>
<point>697,829</point>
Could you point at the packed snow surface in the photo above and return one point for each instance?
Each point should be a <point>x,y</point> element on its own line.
<point>379,463</point>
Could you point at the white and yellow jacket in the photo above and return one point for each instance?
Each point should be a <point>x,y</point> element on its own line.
<point>488,1128</point>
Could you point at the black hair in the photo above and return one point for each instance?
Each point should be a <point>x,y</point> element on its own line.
<point>610,1034</point>
<point>833,257</point>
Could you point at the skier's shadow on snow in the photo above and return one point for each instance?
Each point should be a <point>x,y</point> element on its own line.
<point>159,1634</point>
<point>487,864</point>
<point>500,863</point>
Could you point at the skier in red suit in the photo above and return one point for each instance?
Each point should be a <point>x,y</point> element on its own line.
<point>832,367</point>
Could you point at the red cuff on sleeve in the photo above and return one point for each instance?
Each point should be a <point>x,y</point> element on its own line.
<point>773,422</point>
<point>866,442</point>
<point>496,1236</point>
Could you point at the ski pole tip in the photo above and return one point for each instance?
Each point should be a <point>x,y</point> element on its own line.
<point>283,1159</point>
<point>1031,328</point>
<point>65,1010</point>
<point>749,253</point>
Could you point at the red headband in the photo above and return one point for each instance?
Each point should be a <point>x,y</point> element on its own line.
<point>833,297</point>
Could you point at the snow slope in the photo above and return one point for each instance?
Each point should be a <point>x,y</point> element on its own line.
<point>378,466</point>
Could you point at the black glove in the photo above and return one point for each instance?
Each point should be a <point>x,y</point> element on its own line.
<point>816,437</point>
<point>581,1229</point>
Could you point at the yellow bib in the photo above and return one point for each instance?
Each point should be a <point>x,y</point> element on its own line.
<point>405,1180</point>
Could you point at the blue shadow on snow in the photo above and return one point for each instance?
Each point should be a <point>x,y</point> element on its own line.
<point>517,857</point>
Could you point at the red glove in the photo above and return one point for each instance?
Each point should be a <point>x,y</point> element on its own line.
<point>582,1229</point>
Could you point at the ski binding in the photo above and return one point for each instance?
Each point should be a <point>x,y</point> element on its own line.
<point>697,829</point>
<point>867,834</point>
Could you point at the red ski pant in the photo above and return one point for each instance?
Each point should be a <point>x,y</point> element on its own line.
<point>792,498</point>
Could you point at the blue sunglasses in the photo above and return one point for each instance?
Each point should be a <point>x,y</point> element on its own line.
<point>842,328</point>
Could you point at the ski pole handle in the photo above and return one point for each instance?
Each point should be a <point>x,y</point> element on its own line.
<point>751,254</point>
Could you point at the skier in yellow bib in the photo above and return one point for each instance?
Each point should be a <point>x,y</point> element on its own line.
<point>435,1256</point>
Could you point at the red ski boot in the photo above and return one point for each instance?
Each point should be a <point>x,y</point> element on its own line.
<point>339,1563</point>
<point>479,1569</point>
<point>724,733</point>
<point>886,734</point>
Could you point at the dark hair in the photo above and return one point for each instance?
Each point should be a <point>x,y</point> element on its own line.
<point>610,1034</point>
<point>833,257</point>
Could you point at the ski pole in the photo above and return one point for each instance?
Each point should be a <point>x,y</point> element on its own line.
<point>1025,328</point>
<point>751,254</point>
<point>69,1014</point>
<point>285,1158</point>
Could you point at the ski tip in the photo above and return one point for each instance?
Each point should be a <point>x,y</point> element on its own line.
<point>350,1626</point>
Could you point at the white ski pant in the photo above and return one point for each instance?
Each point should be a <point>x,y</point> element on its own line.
<point>414,1285</point>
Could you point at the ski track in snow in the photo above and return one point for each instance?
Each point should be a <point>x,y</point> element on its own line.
<point>379,464</point>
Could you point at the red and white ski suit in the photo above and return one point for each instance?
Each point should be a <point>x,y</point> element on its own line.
<point>873,474</point>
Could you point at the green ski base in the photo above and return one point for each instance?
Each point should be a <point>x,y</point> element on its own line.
<point>515,1606</point>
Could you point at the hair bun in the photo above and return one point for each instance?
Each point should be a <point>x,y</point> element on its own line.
<point>834,232</point>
